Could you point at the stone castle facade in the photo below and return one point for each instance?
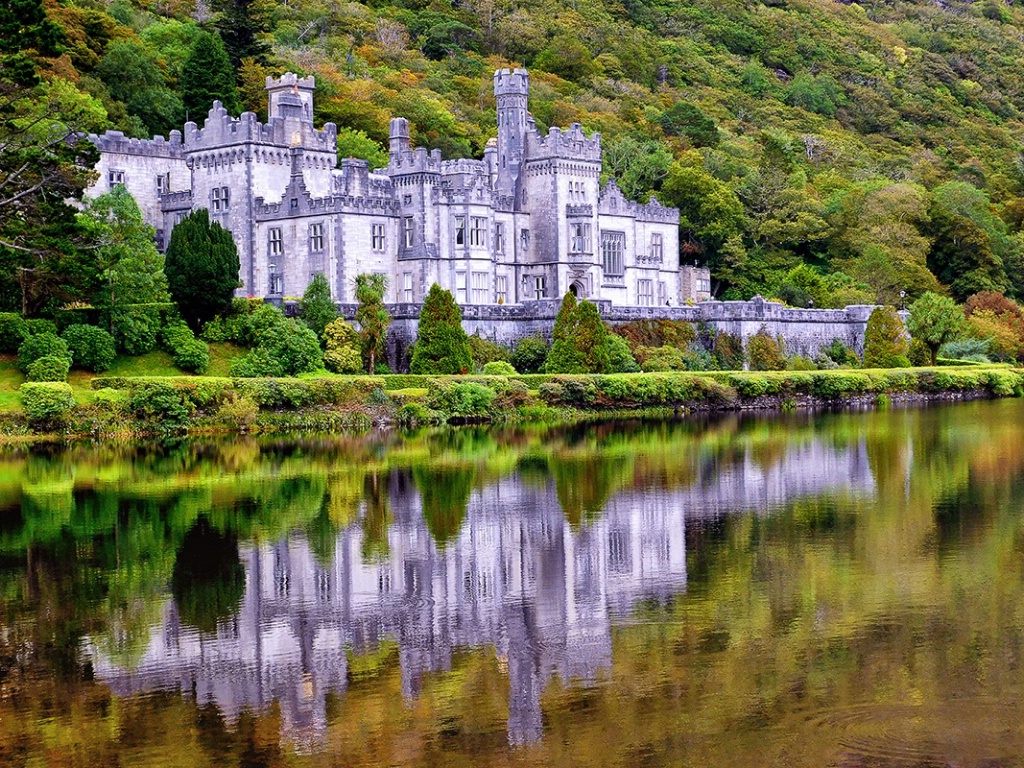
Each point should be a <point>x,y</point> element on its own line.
<point>530,221</point>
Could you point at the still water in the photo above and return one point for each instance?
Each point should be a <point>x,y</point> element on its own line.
<point>836,589</point>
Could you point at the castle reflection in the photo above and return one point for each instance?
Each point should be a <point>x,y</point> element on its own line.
<point>517,577</point>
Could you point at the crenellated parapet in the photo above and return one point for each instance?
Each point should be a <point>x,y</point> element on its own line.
<point>417,160</point>
<point>613,203</point>
<point>221,129</point>
<point>115,142</point>
<point>176,201</point>
<point>570,144</point>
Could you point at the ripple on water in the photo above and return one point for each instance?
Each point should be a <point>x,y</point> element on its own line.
<point>956,734</point>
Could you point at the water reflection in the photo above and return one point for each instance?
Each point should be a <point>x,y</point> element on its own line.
<point>537,566</point>
<point>826,590</point>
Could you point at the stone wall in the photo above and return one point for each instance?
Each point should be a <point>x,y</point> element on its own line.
<point>803,331</point>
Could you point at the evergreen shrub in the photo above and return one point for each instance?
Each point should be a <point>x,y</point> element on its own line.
<point>442,346</point>
<point>764,352</point>
<point>159,405</point>
<point>484,351</point>
<point>47,403</point>
<point>530,354</point>
<point>499,368</point>
<point>41,345</point>
<point>38,325</point>
<point>885,339</point>
<point>466,399</point>
<point>49,368</point>
<point>91,348</point>
<point>12,331</point>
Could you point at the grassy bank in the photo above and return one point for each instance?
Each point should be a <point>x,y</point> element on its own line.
<point>122,403</point>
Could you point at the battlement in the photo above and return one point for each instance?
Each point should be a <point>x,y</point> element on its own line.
<point>569,144</point>
<point>290,80</point>
<point>290,96</point>
<point>511,82</point>
<point>417,160</point>
<point>158,146</point>
<point>463,166</point>
<point>220,129</point>
<point>176,201</point>
<point>613,203</point>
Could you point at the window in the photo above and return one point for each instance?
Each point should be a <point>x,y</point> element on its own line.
<point>460,287</point>
<point>540,287</point>
<point>460,230</point>
<point>645,293</point>
<point>499,237</point>
<point>218,199</point>
<point>703,285</point>
<point>274,242</point>
<point>662,294</point>
<point>163,183</point>
<point>407,286</point>
<point>613,250</point>
<point>501,289</point>
<point>481,289</point>
<point>478,231</point>
<point>316,237</point>
<point>409,232</point>
<point>524,238</point>
<point>377,236</point>
<point>406,199</point>
<point>115,177</point>
<point>657,252</point>
<point>579,238</point>
<point>179,216</point>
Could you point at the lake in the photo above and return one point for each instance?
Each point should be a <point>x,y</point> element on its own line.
<point>802,590</point>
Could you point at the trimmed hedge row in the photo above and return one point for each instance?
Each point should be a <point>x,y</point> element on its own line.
<point>207,391</point>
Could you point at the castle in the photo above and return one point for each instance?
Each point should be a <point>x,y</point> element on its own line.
<point>530,221</point>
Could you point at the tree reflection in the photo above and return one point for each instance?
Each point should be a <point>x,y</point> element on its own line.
<point>208,579</point>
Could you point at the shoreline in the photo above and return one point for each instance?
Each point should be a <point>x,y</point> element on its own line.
<point>128,408</point>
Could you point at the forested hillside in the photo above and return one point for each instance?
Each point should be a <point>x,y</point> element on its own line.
<point>818,150</point>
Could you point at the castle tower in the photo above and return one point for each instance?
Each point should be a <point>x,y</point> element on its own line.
<point>290,96</point>
<point>398,136</point>
<point>511,90</point>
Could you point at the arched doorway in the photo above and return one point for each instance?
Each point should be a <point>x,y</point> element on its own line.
<point>576,289</point>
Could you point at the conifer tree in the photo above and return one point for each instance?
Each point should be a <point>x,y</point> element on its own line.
<point>201,267</point>
<point>580,339</point>
<point>442,345</point>
<point>317,308</point>
<point>564,357</point>
<point>207,76</point>
<point>240,25</point>
<point>885,340</point>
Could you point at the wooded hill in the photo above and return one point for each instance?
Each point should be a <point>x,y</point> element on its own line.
<point>818,150</point>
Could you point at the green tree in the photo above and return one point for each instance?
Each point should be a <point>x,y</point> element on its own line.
<point>133,75</point>
<point>317,308</point>
<point>372,316</point>
<point>133,291</point>
<point>581,343</point>
<point>969,241</point>
<point>764,352</point>
<point>885,340</point>
<point>637,165</point>
<point>201,267</point>
<point>935,320</point>
<point>441,343</point>
<point>242,26</point>
<point>685,119</point>
<point>207,76</point>
<point>564,357</point>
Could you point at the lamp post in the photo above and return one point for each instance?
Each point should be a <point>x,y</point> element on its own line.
<point>273,279</point>
<point>903,297</point>
<point>810,303</point>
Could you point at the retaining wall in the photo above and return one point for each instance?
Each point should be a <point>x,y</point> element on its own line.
<point>803,331</point>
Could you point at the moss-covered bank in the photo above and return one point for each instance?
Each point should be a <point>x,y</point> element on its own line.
<point>128,406</point>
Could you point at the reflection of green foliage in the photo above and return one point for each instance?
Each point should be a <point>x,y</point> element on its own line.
<point>208,579</point>
<point>584,485</point>
<point>377,519</point>
<point>445,493</point>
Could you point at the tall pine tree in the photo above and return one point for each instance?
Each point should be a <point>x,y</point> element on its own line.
<point>207,76</point>
<point>241,25</point>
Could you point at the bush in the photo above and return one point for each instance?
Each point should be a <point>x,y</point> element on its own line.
<point>347,360</point>
<point>499,368</point>
<point>919,354</point>
<point>160,406</point>
<point>975,350</point>
<point>47,403</point>
<point>343,353</point>
<point>284,349</point>
<point>657,333</point>
<point>484,351</point>
<point>463,398</point>
<point>37,325</point>
<point>49,368</point>
<point>839,354</point>
<point>40,345</point>
<point>136,329</point>
<point>618,356</point>
<point>317,309</point>
<point>764,352</point>
<point>660,359</point>
<point>193,356</point>
<point>885,339</point>
<point>91,348</point>
<point>12,331</point>
<point>728,352</point>
<point>529,354</point>
<point>238,411</point>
